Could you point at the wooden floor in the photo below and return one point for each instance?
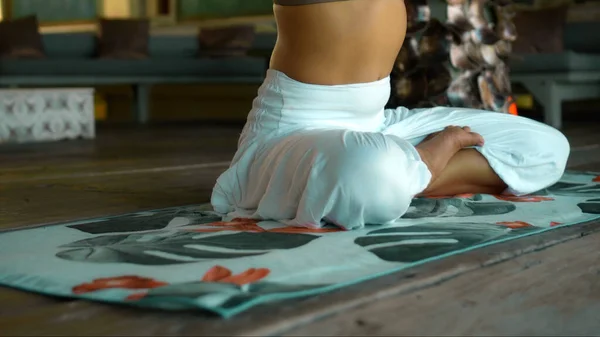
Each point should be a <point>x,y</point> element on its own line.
<point>543,285</point>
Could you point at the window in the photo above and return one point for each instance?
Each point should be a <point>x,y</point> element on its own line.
<point>161,11</point>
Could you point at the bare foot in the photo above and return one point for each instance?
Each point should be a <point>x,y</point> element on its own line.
<point>438,148</point>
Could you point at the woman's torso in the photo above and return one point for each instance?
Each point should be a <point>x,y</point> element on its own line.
<point>341,42</point>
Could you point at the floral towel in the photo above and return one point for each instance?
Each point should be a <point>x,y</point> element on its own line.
<point>186,257</point>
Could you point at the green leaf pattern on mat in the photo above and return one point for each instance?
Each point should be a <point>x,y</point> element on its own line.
<point>146,221</point>
<point>574,189</point>
<point>229,295</point>
<point>165,248</point>
<point>570,189</point>
<point>591,206</point>
<point>187,257</point>
<point>423,241</point>
<point>456,207</point>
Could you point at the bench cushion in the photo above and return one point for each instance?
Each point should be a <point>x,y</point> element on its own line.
<point>580,37</point>
<point>555,62</point>
<point>85,45</point>
<point>218,67</point>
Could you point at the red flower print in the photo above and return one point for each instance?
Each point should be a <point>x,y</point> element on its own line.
<point>237,225</point>
<point>292,230</point>
<point>122,282</point>
<point>515,224</point>
<point>249,225</point>
<point>221,274</point>
<point>459,196</point>
<point>137,296</point>
<point>216,273</point>
<point>529,198</point>
<point>597,179</point>
<point>554,224</point>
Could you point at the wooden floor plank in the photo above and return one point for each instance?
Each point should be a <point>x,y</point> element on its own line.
<point>547,293</point>
<point>127,170</point>
<point>124,170</point>
<point>52,200</point>
<point>120,149</point>
<point>67,317</point>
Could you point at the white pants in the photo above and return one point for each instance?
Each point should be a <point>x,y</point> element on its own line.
<point>311,154</point>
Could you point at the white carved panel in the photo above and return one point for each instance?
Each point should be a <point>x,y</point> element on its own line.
<point>30,115</point>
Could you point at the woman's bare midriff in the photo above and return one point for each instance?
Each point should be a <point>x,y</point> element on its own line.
<point>339,42</point>
<point>357,42</point>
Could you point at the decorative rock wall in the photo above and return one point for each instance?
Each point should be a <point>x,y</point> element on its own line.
<point>461,62</point>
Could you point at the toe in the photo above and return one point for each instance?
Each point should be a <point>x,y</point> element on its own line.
<point>477,139</point>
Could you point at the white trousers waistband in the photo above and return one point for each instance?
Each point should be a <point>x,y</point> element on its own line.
<point>283,102</point>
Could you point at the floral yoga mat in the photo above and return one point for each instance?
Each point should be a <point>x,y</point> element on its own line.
<point>186,257</point>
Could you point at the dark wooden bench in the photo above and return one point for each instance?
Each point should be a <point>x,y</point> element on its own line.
<point>571,75</point>
<point>71,61</point>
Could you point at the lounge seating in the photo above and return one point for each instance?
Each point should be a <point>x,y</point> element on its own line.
<point>557,77</point>
<point>71,61</point>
